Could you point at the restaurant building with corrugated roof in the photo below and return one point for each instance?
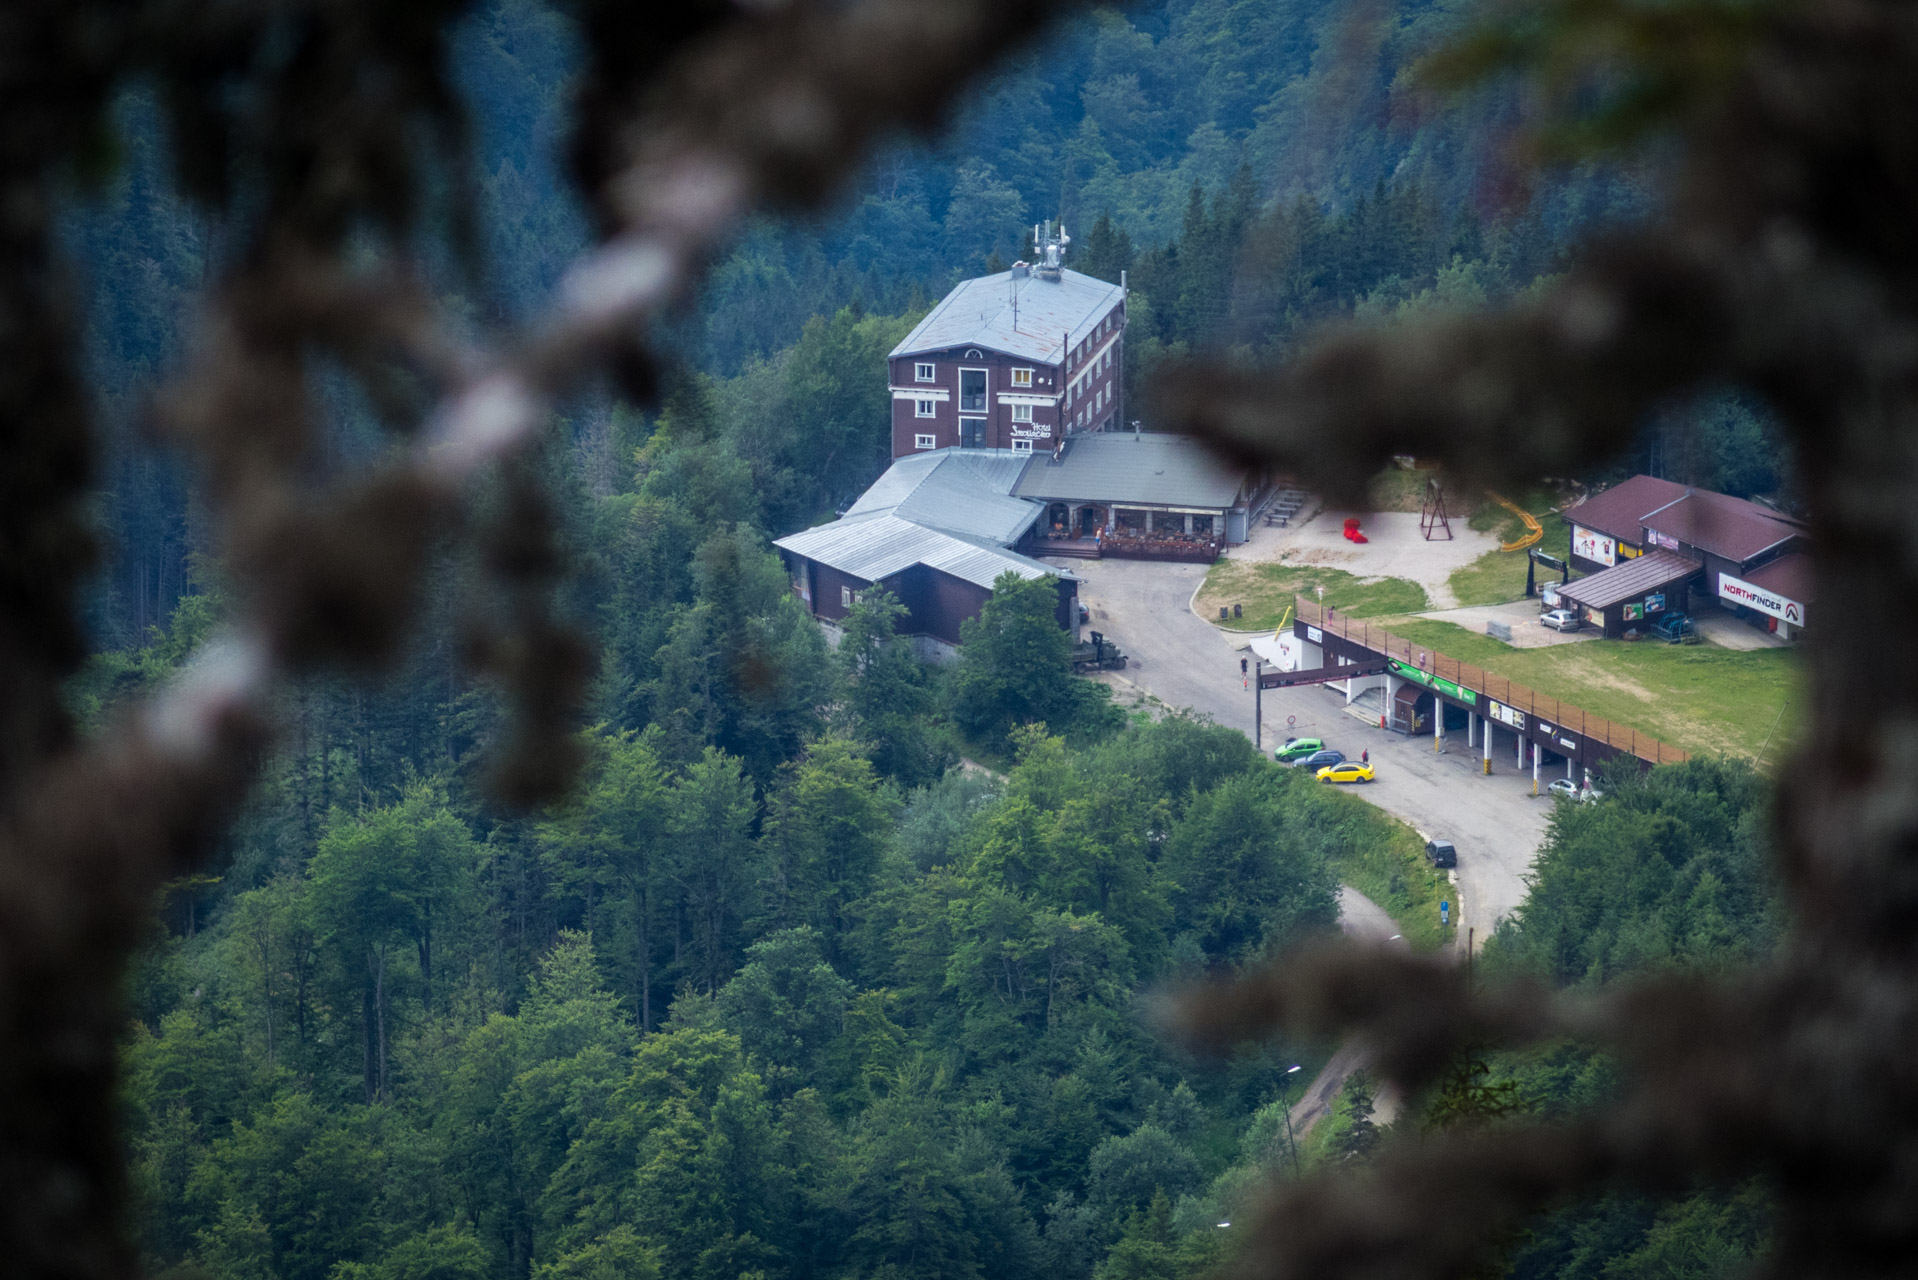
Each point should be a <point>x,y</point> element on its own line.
<point>1650,547</point>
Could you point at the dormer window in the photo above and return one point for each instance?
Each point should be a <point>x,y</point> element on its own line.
<point>923,373</point>
<point>1022,377</point>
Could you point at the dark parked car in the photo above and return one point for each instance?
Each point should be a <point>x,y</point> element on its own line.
<point>1319,759</point>
<point>1441,853</point>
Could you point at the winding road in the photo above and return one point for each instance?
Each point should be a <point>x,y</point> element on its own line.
<point>1184,661</point>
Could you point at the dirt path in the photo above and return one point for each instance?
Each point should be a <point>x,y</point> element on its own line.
<point>1362,920</point>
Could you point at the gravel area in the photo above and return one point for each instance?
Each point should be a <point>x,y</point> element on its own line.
<point>1396,549</point>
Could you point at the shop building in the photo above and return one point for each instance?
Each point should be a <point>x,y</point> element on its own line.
<point>1651,546</point>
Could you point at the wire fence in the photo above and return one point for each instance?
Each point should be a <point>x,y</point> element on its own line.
<point>1495,687</point>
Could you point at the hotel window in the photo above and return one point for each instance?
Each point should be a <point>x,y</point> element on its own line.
<point>972,433</point>
<point>972,390</point>
<point>925,442</point>
<point>1022,413</point>
<point>922,372</point>
<point>926,408</point>
<point>1022,377</point>
<point>1022,446</point>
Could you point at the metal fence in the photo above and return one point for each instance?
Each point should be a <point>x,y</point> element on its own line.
<point>1496,687</point>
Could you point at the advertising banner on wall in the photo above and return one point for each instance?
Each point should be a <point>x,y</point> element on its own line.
<point>1738,591</point>
<point>1594,546</point>
<point>1430,681</point>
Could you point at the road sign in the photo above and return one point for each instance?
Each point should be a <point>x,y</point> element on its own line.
<point>1445,912</point>
<point>1290,721</point>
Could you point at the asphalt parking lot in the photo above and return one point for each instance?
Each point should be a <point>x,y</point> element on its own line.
<point>1182,660</point>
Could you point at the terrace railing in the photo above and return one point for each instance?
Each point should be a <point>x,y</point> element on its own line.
<point>1496,687</point>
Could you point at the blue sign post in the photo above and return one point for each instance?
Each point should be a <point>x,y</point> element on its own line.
<point>1445,913</point>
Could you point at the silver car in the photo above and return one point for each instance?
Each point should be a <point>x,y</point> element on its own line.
<point>1561,620</point>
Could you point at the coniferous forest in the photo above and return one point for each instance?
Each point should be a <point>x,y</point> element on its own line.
<point>838,964</point>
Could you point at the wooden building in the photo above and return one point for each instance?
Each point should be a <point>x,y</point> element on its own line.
<point>1015,361</point>
<point>1705,550</point>
<point>1136,489</point>
<point>936,530</point>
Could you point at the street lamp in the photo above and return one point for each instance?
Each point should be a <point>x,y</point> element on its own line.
<point>1285,1103</point>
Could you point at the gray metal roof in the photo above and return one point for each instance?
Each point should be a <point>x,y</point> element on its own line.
<point>1145,469</point>
<point>947,508</point>
<point>873,547</point>
<point>962,491</point>
<point>1052,315</point>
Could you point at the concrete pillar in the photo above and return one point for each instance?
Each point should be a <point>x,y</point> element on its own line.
<point>1521,751</point>
<point>1471,728</point>
<point>1568,767</point>
<point>1438,725</point>
<point>1537,755</point>
<point>1485,736</point>
<point>1188,522</point>
<point>1148,522</point>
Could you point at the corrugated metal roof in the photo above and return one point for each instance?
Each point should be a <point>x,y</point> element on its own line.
<point>877,546</point>
<point>1151,468</point>
<point>963,491</point>
<point>1721,524</point>
<point>1053,314</point>
<point>948,508</point>
<point>1636,577</point>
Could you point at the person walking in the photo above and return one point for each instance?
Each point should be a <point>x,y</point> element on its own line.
<point>1365,756</point>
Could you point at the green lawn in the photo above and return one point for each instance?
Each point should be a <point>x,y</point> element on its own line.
<point>1397,489</point>
<point>1498,576</point>
<point>1699,697</point>
<point>1265,589</point>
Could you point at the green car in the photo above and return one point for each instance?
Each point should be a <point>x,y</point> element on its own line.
<point>1297,749</point>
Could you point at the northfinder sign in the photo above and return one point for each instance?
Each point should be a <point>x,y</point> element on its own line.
<point>1739,591</point>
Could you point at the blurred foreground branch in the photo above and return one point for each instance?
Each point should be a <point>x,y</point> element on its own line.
<point>305,124</point>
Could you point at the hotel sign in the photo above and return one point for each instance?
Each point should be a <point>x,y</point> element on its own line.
<point>1594,546</point>
<point>1738,591</point>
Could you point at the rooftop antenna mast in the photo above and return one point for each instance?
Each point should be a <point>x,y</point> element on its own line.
<point>1052,252</point>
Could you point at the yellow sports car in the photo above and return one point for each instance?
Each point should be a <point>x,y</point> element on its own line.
<point>1350,771</point>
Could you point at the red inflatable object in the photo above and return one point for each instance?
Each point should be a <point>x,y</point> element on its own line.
<point>1351,523</point>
